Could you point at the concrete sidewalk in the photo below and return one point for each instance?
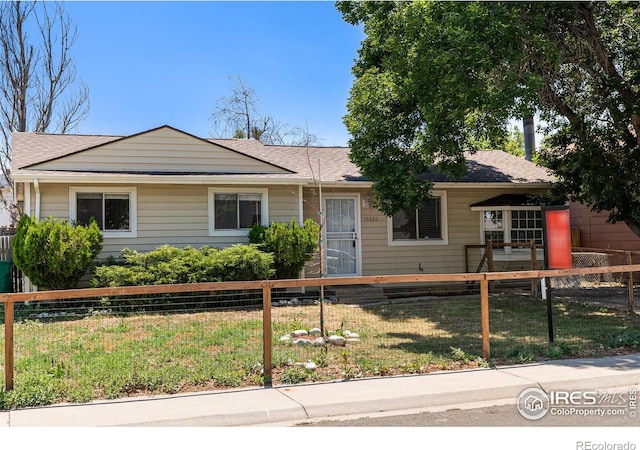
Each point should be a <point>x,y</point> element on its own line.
<point>299,403</point>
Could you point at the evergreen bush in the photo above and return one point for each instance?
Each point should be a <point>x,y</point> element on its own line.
<point>292,245</point>
<point>54,253</point>
<point>172,265</point>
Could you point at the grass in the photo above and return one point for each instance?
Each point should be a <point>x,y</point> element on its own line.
<point>105,357</point>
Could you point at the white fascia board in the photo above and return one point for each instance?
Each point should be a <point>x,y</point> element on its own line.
<point>154,179</point>
<point>502,185</point>
<point>91,178</point>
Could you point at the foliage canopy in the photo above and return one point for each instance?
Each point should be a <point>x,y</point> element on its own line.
<point>434,79</point>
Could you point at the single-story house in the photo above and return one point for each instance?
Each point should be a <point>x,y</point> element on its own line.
<point>166,186</point>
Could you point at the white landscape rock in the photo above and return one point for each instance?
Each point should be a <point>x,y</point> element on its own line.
<point>309,365</point>
<point>314,337</point>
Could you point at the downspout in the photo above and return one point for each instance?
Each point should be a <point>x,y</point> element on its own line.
<point>26,284</point>
<point>27,199</point>
<point>36,186</point>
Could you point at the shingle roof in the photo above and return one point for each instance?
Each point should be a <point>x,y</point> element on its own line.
<point>32,148</point>
<point>328,164</point>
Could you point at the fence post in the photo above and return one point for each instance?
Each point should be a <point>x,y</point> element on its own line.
<point>8,345</point>
<point>629,261</point>
<point>484,314</point>
<point>266,334</point>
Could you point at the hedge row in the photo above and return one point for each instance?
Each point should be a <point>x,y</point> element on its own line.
<point>172,265</point>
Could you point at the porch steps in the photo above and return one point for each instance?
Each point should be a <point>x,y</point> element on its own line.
<point>357,294</point>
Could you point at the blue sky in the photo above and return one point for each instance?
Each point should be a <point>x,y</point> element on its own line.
<point>152,63</point>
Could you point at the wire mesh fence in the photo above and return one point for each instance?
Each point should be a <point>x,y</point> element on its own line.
<point>372,330</point>
<point>109,347</point>
<point>116,345</point>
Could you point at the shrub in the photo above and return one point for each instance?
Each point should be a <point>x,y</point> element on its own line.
<point>172,265</point>
<point>292,245</point>
<point>53,253</point>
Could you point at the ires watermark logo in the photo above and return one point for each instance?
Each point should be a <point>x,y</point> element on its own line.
<point>534,403</point>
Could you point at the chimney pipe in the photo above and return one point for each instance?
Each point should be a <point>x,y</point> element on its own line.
<point>529,137</point>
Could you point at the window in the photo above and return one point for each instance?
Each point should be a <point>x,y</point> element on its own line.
<point>235,211</point>
<point>113,209</point>
<point>512,226</point>
<point>425,225</point>
<point>526,225</point>
<point>493,226</point>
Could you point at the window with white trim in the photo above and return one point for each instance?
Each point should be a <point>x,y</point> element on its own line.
<point>526,225</point>
<point>493,225</point>
<point>426,224</point>
<point>114,209</point>
<point>512,226</point>
<point>235,211</point>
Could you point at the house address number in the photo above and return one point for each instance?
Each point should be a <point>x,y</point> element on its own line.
<point>371,219</point>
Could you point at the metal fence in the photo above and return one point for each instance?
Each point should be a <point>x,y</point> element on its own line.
<point>84,344</point>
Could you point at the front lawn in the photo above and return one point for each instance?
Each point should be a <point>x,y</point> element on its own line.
<point>101,355</point>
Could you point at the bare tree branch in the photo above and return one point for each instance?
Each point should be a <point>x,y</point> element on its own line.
<point>237,116</point>
<point>38,90</point>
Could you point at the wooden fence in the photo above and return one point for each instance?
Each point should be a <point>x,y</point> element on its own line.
<point>6,248</point>
<point>267,287</point>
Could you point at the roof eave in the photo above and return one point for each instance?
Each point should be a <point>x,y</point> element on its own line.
<point>493,185</point>
<point>92,178</point>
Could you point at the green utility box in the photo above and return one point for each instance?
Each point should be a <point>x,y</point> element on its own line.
<point>6,284</point>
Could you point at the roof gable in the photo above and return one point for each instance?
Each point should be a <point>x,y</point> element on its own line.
<point>158,151</point>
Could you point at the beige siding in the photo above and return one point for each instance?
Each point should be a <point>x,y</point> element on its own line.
<point>54,201</point>
<point>310,209</point>
<point>380,258</point>
<point>177,215</point>
<point>283,204</point>
<point>162,150</point>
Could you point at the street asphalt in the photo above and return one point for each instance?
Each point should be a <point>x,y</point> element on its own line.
<point>294,404</point>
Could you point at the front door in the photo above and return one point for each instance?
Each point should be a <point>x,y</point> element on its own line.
<point>342,249</point>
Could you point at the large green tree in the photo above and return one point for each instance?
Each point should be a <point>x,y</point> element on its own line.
<point>434,79</point>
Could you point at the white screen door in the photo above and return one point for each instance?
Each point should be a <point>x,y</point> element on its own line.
<point>342,243</point>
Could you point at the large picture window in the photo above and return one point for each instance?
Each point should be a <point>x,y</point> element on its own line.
<point>426,224</point>
<point>113,209</point>
<point>234,212</point>
<point>237,211</point>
